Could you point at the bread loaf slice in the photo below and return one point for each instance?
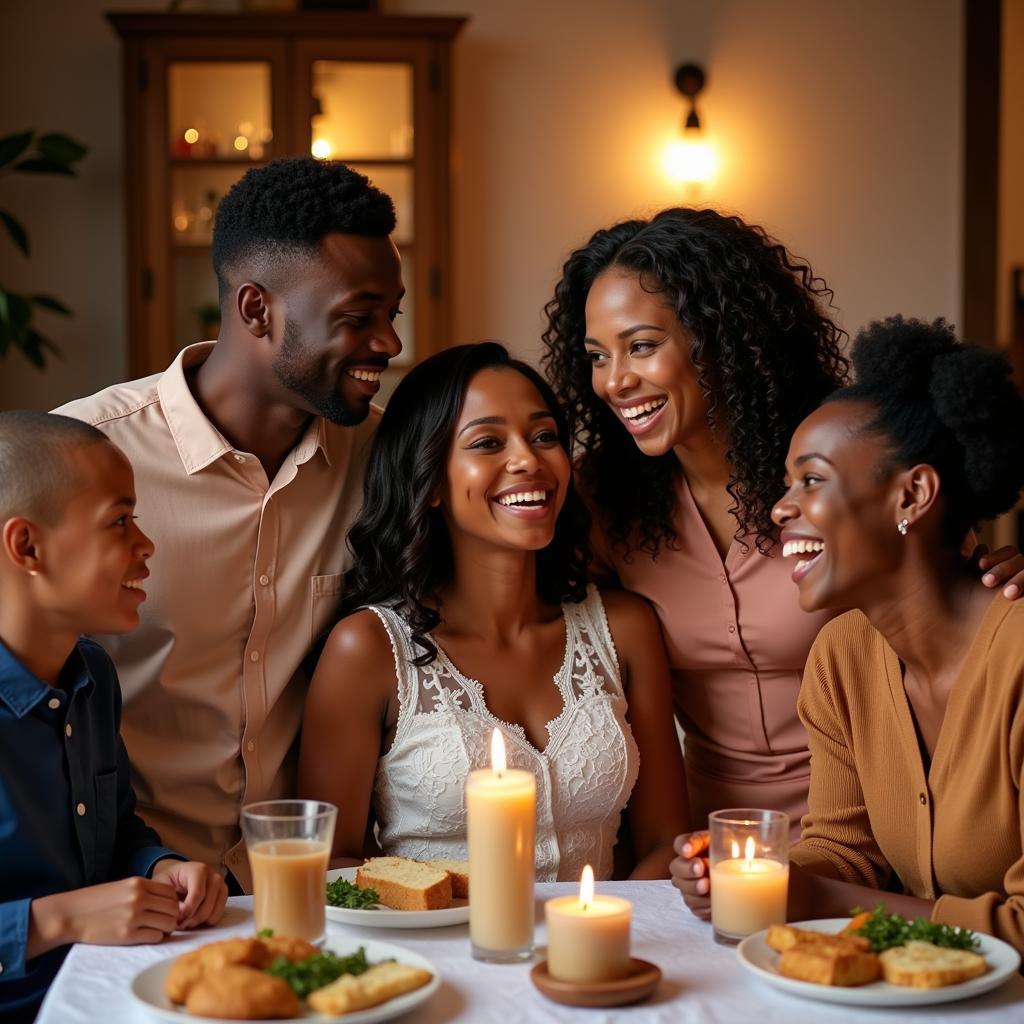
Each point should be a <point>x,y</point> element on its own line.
<point>459,870</point>
<point>925,965</point>
<point>380,983</point>
<point>406,884</point>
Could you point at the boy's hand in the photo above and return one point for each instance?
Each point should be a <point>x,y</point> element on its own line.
<point>123,913</point>
<point>690,873</point>
<point>202,890</point>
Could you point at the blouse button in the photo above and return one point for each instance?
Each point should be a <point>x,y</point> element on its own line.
<point>732,629</point>
<point>264,580</point>
<point>53,702</point>
<point>81,810</point>
<point>922,798</point>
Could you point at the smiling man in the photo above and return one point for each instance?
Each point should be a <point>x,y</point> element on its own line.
<point>248,457</point>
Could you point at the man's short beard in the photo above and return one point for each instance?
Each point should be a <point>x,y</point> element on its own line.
<point>296,370</point>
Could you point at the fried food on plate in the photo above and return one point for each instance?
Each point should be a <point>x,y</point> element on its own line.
<point>289,947</point>
<point>242,993</point>
<point>829,963</point>
<point>190,967</point>
<point>781,937</point>
<point>360,991</point>
<point>925,965</point>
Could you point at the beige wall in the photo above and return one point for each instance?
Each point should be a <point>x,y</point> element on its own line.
<point>839,126</point>
<point>839,131</point>
<point>1011,154</point>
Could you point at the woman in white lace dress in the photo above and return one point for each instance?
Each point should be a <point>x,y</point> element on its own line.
<point>470,611</point>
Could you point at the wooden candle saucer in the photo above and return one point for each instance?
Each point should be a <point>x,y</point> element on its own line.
<point>641,981</point>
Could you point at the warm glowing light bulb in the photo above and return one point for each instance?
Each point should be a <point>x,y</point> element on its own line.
<point>241,143</point>
<point>498,762</point>
<point>321,149</point>
<point>191,136</point>
<point>586,887</point>
<point>748,850</point>
<point>690,159</point>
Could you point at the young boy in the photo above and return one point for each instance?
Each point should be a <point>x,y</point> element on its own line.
<point>78,864</point>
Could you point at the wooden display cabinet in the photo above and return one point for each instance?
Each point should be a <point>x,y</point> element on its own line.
<point>208,96</point>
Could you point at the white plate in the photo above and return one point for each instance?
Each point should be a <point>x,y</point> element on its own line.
<point>385,917</point>
<point>148,987</point>
<point>757,956</point>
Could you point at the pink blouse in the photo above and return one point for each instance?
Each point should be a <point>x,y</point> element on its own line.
<point>737,640</point>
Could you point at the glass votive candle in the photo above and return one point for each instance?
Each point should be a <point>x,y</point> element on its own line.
<point>749,859</point>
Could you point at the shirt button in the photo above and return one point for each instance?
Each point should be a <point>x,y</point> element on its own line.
<point>722,577</point>
<point>732,629</point>
<point>922,798</point>
<point>53,702</point>
<point>81,810</point>
<point>67,729</point>
<point>264,580</point>
<point>239,458</point>
<point>250,745</point>
<point>254,656</point>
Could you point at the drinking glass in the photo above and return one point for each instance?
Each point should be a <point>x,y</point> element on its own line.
<point>289,843</point>
<point>749,859</point>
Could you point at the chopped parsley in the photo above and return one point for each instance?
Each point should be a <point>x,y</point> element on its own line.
<point>318,970</point>
<point>884,930</point>
<point>341,893</point>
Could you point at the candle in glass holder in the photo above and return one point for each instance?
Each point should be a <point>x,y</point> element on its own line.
<point>501,822</point>
<point>749,857</point>
<point>588,935</point>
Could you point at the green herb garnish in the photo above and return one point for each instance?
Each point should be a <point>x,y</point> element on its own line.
<point>317,970</point>
<point>884,930</point>
<point>341,893</point>
<point>265,933</point>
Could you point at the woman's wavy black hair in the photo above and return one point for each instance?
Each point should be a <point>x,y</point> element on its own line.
<point>403,554</point>
<point>948,405</point>
<point>765,351</point>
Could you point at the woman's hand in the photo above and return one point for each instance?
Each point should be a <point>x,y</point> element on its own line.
<point>690,874</point>
<point>202,892</point>
<point>1002,567</point>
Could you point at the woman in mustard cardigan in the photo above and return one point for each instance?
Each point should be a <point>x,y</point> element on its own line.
<point>914,699</point>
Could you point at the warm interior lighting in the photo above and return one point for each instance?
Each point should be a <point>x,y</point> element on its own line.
<point>241,143</point>
<point>586,887</point>
<point>735,850</point>
<point>690,159</point>
<point>498,762</point>
<point>748,850</point>
<point>321,149</point>
<point>191,136</point>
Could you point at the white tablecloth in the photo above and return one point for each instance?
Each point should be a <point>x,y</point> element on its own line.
<point>702,982</point>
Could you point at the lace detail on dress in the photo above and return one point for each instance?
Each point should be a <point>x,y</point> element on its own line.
<point>584,775</point>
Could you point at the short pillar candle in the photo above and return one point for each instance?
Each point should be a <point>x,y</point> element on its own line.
<point>588,935</point>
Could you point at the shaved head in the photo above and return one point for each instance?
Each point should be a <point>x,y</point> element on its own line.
<point>37,478</point>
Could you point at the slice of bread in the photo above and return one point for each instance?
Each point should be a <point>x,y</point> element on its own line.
<point>829,963</point>
<point>360,991</point>
<point>406,884</point>
<point>925,965</point>
<point>459,870</point>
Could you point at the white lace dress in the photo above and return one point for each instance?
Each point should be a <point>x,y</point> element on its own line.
<point>584,774</point>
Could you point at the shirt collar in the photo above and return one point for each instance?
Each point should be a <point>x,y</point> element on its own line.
<point>198,441</point>
<point>21,690</point>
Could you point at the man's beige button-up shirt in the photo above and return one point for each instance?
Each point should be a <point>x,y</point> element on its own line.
<point>247,573</point>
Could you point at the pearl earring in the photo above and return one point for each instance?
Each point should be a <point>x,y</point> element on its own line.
<point>902,527</point>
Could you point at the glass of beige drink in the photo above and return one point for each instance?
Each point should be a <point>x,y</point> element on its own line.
<point>289,844</point>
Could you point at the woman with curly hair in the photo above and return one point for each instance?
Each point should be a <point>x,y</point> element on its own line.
<point>685,349</point>
<point>914,699</point>
<point>469,610</point>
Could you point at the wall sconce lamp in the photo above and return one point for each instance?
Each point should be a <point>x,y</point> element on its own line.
<point>690,159</point>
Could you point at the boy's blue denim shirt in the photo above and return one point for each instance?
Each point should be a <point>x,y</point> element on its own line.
<point>67,808</point>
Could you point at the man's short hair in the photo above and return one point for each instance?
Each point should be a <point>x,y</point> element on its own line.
<point>283,211</point>
<point>37,479</point>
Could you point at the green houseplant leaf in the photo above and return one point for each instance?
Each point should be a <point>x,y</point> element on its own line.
<point>18,234</point>
<point>12,146</point>
<point>29,153</point>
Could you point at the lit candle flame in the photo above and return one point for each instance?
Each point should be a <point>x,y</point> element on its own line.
<point>748,850</point>
<point>586,887</point>
<point>498,763</point>
<point>735,850</point>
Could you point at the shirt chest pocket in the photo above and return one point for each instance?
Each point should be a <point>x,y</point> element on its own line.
<point>104,824</point>
<point>325,601</point>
